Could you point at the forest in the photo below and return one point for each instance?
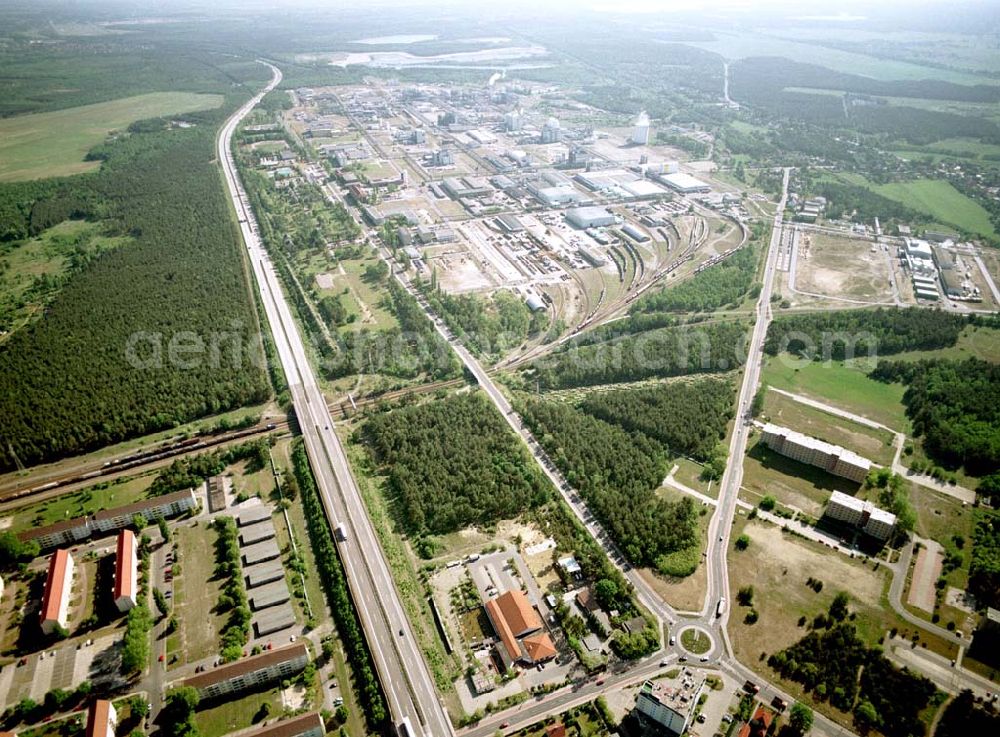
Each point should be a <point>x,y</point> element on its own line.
<point>617,473</point>
<point>723,284</point>
<point>841,334</point>
<point>688,418</point>
<point>954,407</point>
<point>984,568</point>
<point>675,351</point>
<point>488,327</point>
<point>67,381</point>
<point>827,662</point>
<point>965,716</point>
<point>452,463</point>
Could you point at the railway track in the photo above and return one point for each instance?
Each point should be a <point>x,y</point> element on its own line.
<point>174,448</point>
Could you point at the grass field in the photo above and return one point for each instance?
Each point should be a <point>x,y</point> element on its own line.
<point>941,201</point>
<point>842,385</point>
<point>81,503</point>
<point>196,593</point>
<point>876,445</point>
<point>54,144</point>
<point>228,716</point>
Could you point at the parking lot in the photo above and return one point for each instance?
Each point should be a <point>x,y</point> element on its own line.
<point>62,667</point>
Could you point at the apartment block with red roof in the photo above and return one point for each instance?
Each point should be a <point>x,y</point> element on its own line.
<point>126,571</point>
<point>58,589</point>
<point>102,719</point>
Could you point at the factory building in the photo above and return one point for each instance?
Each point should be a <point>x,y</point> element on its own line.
<point>861,514</point>
<point>551,131</point>
<point>512,121</point>
<point>640,130</point>
<point>919,257</point>
<point>442,157</point>
<point>591,257</point>
<point>253,672</point>
<point>805,449</point>
<point>462,187</point>
<point>669,708</point>
<point>589,217</point>
<point>683,183</point>
<point>102,719</point>
<point>58,589</point>
<point>126,571</point>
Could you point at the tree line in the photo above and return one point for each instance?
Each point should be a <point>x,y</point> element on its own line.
<point>617,473</point>
<point>688,418</point>
<point>452,463</point>
<point>725,283</point>
<point>675,351</point>
<point>843,334</point>
<point>954,407</point>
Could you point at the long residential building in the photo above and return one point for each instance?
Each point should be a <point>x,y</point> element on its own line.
<point>69,532</point>
<point>58,589</point>
<point>305,725</point>
<point>102,719</point>
<point>805,449</point>
<point>864,515</point>
<point>253,672</point>
<point>126,571</point>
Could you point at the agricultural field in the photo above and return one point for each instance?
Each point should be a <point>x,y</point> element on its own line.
<point>941,201</point>
<point>54,144</point>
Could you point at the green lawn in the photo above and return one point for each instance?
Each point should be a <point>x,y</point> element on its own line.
<point>81,503</point>
<point>940,200</point>
<point>228,716</point>
<point>53,144</point>
<point>876,445</point>
<point>840,385</point>
<point>196,592</point>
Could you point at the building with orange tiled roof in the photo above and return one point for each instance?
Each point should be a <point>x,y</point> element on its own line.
<point>58,587</point>
<point>518,626</point>
<point>102,719</point>
<point>126,571</point>
<point>758,726</point>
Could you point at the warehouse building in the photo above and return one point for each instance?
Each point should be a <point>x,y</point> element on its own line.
<point>58,588</point>
<point>589,217</point>
<point>683,183</point>
<point>306,725</point>
<point>102,719</point>
<point>257,533</point>
<point>273,619</point>
<point>861,514</point>
<point>268,595</point>
<point>126,571</point>
<point>668,707</point>
<point>263,573</point>
<point>72,531</point>
<point>634,233</point>
<point>253,515</point>
<point>805,449</point>
<point>261,552</point>
<point>256,671</point>
<point>519,628</point>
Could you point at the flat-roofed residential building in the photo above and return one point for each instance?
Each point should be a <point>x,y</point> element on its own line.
<point>58,589</point>
<point>253,672</point>
<point>805,449</point>
<point>305,725</point>
<point>864,515</point>
<point>66,532</point>
<point>126,571</point>
<point>102,719</point>
<point>152,509</point>
<point>670,705</point>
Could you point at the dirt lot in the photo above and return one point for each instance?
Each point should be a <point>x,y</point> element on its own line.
<point>842,267</point>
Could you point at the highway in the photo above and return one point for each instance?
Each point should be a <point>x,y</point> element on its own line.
<point>402,671</point>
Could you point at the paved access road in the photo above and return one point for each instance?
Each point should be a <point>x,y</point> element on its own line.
<point>405,677</point>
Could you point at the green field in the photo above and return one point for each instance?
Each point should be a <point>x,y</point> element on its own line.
<point>941,201</point>
<point>843,386</point>
<point>54,144</point>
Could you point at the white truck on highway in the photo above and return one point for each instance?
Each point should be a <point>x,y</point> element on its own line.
<point>341,532</point>
<point>720,608</point>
